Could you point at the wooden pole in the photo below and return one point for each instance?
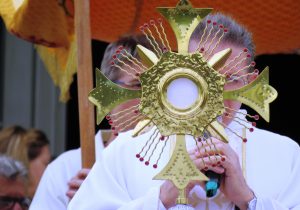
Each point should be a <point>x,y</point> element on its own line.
<point>85,82</point>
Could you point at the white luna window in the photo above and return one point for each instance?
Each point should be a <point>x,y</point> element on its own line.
<point>182,93</point>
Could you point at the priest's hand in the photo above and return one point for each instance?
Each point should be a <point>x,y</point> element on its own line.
<point>76,182</point>
<point>233,184</point>
<point>169,193</point>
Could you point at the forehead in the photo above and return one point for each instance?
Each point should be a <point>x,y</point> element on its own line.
<point>125,77</point>
<point>12,187</point>
<point>236,51</point>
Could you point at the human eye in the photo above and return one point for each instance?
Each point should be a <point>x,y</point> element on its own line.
<point>5,202</point>
<point>236,79</point>
<point>134,84</point>
<point>233,78</point>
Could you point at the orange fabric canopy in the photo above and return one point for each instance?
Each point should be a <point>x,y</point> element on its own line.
<point>274,24</point>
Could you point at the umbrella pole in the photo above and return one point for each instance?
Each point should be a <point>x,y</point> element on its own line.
<point>85,82</point>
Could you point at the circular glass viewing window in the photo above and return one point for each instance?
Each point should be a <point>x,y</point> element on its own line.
<point>182,93</point>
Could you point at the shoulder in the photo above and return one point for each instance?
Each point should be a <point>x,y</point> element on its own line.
<point>122,151</point>
<point>268,137</point>
<point>74,154</point>
<point>67,161</point>
<point>125,143</point>
<point>62,169</point>
<point>272,141</point>
<point>53,185</point>
<point>116,150</point>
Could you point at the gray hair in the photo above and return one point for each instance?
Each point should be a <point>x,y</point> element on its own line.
<point>11,169</point>
<point>236,34</point>
<point>129,43</point>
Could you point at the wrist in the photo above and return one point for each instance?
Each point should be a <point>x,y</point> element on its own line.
<point>165,199</point>
<point>165,202</point>
<point>252,203</point>
<point>243,202</point>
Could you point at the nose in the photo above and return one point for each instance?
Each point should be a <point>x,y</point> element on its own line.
<point>17,206</point>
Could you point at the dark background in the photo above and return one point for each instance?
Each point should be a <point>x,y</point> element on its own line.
<point>284,69</point>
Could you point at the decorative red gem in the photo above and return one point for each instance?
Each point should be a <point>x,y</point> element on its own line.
<point>256,117</point>
<point>245,50</point>
<point>253,124</point>
<point>226,114</point>
<point>251,129</point>
<point>141,28</point>
<point>121,47</point>
<point>244,140</point>
<point>147,163</point>
<point>118,52</point>
<point>208,21</point>
<point>213,165</point>
<point>248,55</point>
<point>146,25</point>
<point>205,168</point>
<point>114,56</point>
<point>137,156</point>
<point>137,74</point>
<point>218,162</point>
<point>223,159</point>
<point>110,122</point>
<point>136,111</point>
<point>155,166</point>
<point>214,23</point>
<point>112,63</point>
<point>159,20</point>
<point>202,49</point>
<point>225,30</point>
<point>141,159</point>
<point>221,26</point>
<point>116,134</point>
<point>162,138</point>
<point>227,76</point>
<point>108,117</point>
<point>256,71</point>
<point>113,128</point>
<point>253,63</point>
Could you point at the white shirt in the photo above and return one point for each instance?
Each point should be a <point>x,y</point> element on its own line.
<point>120,181</point>
<point>51,192</point>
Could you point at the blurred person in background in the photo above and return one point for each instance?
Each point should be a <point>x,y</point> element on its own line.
<point>13,176</point>
<point>31,147</point>
<point>39,156</point>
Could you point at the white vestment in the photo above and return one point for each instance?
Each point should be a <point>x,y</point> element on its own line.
<point>51,192</point>
<point>120,181</point>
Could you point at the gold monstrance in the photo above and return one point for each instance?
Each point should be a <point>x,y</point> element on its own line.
<point>160,71</point>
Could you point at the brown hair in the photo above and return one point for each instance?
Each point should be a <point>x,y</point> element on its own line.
<point>22,145</point>
<point>237,34</point>
<point>129,43</point>
<point>13,145</point>
<point>35,140</point>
